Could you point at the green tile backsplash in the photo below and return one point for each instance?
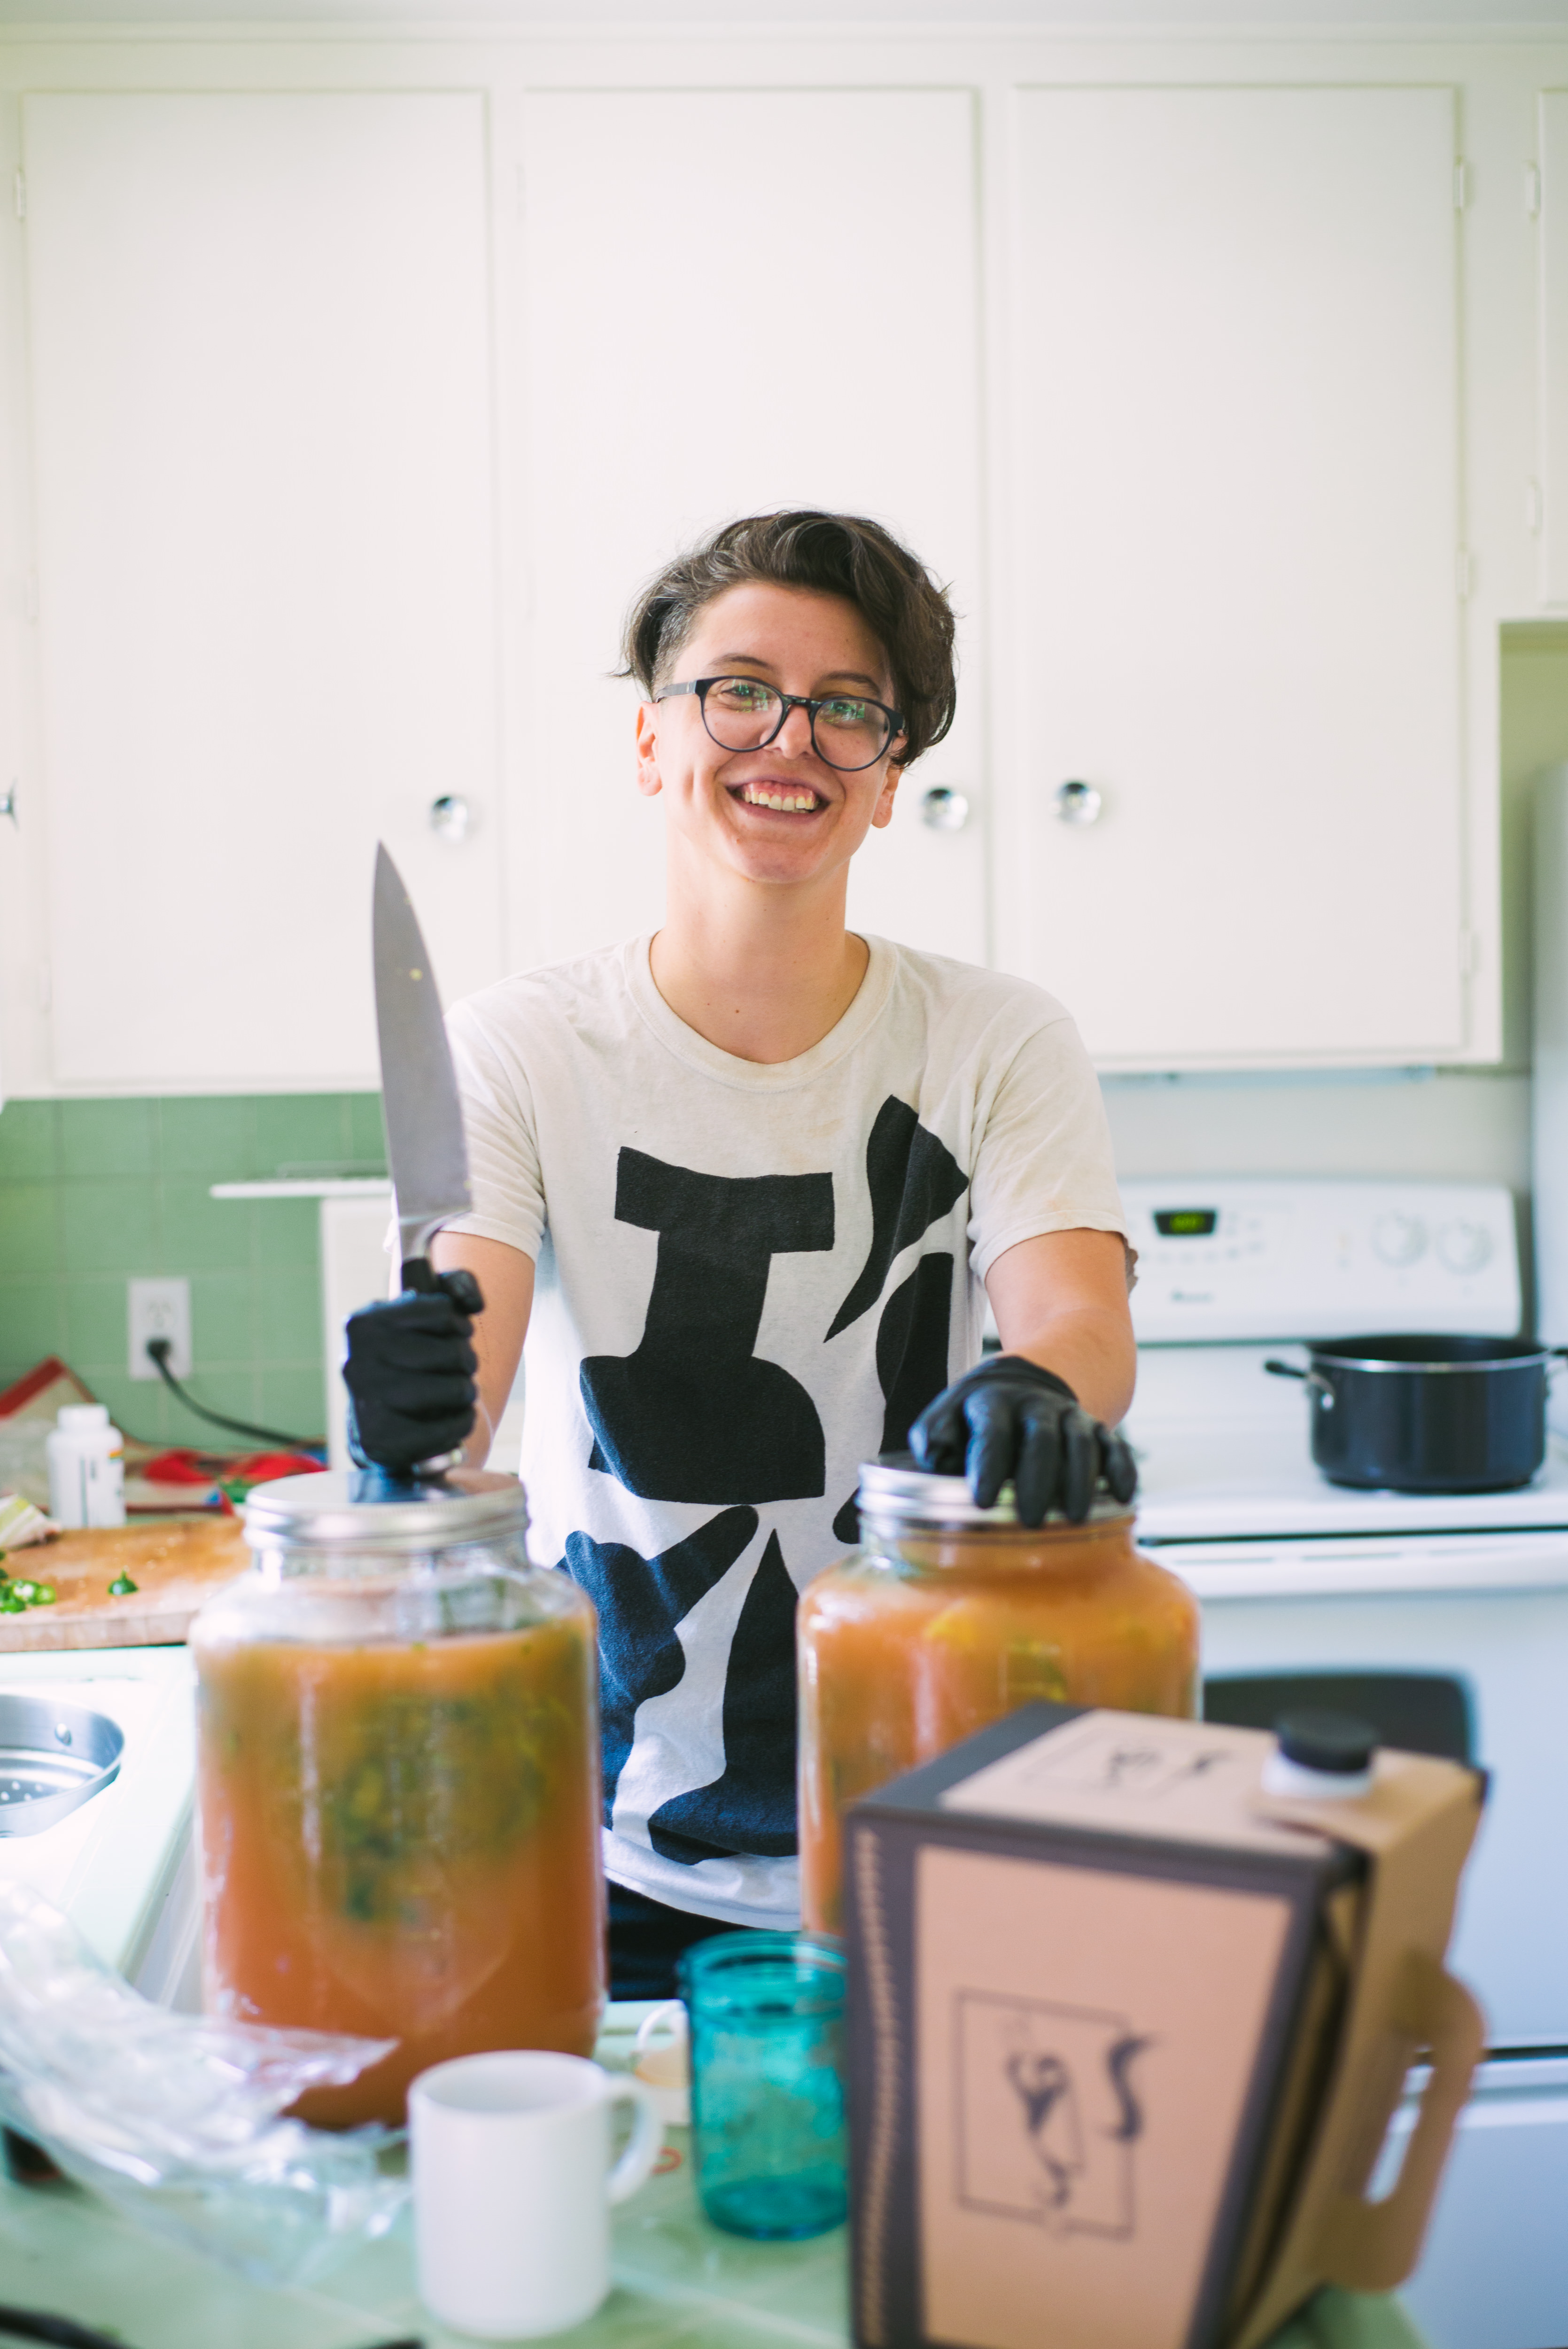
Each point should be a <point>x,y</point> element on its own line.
<point>96,1193</point>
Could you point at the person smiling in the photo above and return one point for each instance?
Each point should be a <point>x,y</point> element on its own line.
<point>744,1187</point>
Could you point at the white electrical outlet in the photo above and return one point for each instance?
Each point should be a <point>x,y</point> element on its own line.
<point>160,1309</point>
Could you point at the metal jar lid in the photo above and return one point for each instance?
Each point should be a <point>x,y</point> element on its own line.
<point>894,1491</point>
<point>366,1508</point>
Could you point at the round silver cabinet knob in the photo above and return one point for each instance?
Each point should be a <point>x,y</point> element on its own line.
<point>944,810</point>
<point>1077,803</point>
<point>452,817</point>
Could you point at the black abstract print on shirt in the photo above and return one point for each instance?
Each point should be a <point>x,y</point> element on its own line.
<point>694,1414</point>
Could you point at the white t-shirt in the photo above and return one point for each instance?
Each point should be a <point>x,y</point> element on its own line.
<point>751,1278</point>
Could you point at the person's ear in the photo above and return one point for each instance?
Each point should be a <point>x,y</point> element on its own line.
<point>650,782</point>
<point>883,812</point>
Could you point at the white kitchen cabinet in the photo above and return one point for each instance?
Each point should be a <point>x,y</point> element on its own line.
<point>650,401</point>
<point>261,393</point>
<point>1234,543</point>
<point>1553,203</point>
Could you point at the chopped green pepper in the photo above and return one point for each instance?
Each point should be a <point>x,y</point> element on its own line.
<point>121,1587</point>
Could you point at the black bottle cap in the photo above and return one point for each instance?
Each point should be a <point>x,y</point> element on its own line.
<point>1335,1742</point>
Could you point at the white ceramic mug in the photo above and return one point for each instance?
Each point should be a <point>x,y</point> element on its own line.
<point>512,2187</point>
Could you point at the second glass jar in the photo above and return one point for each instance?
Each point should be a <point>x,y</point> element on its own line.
<point>949,1617</point>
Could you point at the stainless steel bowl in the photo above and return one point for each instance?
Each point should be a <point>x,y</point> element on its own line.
<point>53,1758</point>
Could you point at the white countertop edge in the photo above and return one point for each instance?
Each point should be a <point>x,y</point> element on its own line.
<point>323,1187</point>
<point>1350,1569</point>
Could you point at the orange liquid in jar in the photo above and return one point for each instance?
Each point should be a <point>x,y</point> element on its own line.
<point>902,1656</point>
<point>402,1840</point>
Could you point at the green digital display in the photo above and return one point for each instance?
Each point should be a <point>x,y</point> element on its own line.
<point>1185,1223</point>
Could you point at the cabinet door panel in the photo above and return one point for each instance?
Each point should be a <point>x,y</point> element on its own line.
<point>658,401</point>
<point>260,366</point>
<point>1236,532</point>
<point>1554,341</point>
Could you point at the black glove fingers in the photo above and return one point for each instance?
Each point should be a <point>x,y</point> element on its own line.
<point>992,1416</point>
<point>1121,1466</point>
<point>1038,1462</point>
<point>411,1372</point>
<point>462,1288</point>
<point>1080,1464</point>
<point>417,1353</point>
<point>938,1437</point>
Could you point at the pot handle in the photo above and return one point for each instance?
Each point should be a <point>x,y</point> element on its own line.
<point>1313,1380</point>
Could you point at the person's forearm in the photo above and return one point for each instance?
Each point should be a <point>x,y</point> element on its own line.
<point>1099,1363</point>
<point>505,1276</point>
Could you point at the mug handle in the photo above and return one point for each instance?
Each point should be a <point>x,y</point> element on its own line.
<point>672,2017</point>
<point>636,2166</point>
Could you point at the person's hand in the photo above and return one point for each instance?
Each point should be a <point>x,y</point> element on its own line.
<point>1009,1418</point>
<point>411,1374</point>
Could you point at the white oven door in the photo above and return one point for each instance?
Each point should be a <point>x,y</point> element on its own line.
<point>1490,1609</point>
<point>1494,2271</point>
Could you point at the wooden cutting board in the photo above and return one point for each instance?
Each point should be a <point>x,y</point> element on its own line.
<point>176,1563</point>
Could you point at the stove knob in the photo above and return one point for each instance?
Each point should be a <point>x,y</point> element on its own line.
<point>1398,1239</point>
<point>1464,1248</point>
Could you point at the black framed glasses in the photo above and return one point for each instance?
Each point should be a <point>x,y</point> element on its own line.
<point>741,713</point>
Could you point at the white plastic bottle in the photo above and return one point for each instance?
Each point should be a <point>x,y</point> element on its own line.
<point>86,1467</point>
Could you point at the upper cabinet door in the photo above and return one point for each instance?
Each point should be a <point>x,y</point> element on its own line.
<point>261,360</point>
<point>733,302</point>
<point>1233,544</point>
<point>1554,344</point>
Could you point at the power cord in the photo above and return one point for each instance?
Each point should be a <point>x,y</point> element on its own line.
<point>159,1351</point>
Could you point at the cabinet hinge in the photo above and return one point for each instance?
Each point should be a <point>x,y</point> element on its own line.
<point>1533,190</point>
<point>19,195</point>
<point>1470,954</point>
<point>1462,185</point>
<point>1464,575</point>
<point>1535,508</point>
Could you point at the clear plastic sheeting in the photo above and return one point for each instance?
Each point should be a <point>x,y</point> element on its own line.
<point>175,2118</point>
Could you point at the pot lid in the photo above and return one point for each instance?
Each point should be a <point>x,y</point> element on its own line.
<point>893,1490</point>
<point>360,1508</point>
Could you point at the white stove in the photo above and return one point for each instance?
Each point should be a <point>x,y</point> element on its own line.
<point>1303,1579</point>
<point>1223,1453</point>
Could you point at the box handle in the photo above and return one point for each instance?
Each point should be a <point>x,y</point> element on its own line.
<point>1372,2246</point>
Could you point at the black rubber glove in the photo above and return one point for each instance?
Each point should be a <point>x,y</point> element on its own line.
<point>411,1374</point>
<point>1009,1418</point>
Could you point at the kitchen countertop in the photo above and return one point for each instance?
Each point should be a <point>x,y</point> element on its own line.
<point>679,2282</point>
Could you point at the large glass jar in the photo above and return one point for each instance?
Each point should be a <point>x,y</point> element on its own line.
<point>399,1780</point>
<point>947,1618</point>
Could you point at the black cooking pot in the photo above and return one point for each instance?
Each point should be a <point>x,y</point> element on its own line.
<point>1427,1414</point>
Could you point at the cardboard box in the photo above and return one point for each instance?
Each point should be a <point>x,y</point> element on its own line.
<point>1126,2033</point>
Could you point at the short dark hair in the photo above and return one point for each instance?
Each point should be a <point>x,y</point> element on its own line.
<point>828,554</point>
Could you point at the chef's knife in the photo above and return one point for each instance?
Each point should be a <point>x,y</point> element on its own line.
<point>425,1148</point>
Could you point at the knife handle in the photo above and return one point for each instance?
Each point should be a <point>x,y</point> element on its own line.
<point>420,1274</point>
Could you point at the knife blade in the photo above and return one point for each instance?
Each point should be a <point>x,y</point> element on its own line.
<point>427,1149</point>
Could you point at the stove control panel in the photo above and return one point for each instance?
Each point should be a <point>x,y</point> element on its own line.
<point>1273,1257</point>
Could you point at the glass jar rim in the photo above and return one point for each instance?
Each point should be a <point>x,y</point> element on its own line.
<point>363,1509</point>
<point>895,1495</point>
